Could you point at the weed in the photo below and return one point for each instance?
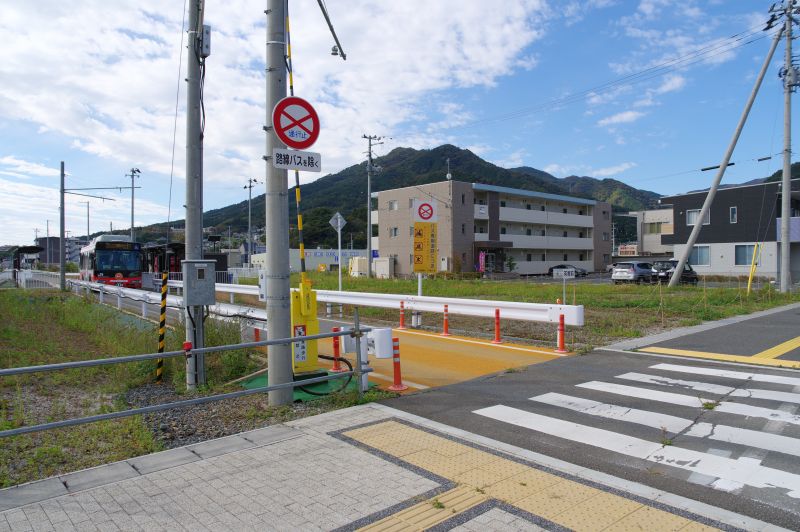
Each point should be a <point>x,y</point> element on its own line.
<point>437,504</point>
<point>523,484</point>
<point>666,441</point>
<point>710,405</point>
<point>480,490</point>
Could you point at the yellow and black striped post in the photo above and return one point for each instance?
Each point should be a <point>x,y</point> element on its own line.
<point>162,326</point>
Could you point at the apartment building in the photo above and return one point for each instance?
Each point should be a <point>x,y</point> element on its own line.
<point>650,226</point>
<point>529,231</point>
<point>740,217</point>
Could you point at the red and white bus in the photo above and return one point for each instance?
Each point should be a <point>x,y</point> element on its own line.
<point>112,259</point>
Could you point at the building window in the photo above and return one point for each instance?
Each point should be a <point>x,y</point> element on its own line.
<point>543,232</point>
<point>699,256</point>
<point>528,206</point>
<point>606,236</point>
<point>693,214</point>
<point>542,208</point>
<point>580,212</point>
<point>605,215</point>
<point>463,229</point>
<point>544,257</point>
<point>580,235</point>
<point>744,254</point>
<point>529,257</point>
<point>393,205</point>
<point>502,230</point>
<point>463,198</point>
<point>393,232</point>
<point>566,257</point>
<point>606,258</point>
<point>410,203</point>
<point>528,232</point>
<point>566,234</point>
<point>564,210</point>
<point>734,214</point>
<point>474,228</point>
<point>502,203</point>
<point>580,257</point>
<point>653,228</point>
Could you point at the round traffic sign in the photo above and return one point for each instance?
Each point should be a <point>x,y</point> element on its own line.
<point>425,211</point>
<point>296,123</point>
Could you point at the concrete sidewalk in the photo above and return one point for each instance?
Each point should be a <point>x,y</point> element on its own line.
<point>366,467</point>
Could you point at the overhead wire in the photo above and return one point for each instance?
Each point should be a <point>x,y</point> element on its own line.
<point>175,126</point>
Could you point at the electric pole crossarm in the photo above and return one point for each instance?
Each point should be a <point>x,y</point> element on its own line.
<point>676,276</point>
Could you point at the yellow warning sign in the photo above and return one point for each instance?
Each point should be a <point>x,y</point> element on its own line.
<point>425,247</point>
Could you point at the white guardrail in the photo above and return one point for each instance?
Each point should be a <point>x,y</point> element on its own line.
<point>511,310</point>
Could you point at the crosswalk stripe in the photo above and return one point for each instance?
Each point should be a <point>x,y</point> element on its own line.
<point>740,375</point>
<point>731,473</point>
<point>753,393</point>
<point>674,424</point>
<point>687,400</point>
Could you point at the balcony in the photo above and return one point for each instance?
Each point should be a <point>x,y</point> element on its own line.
<point>481,212</point>
<point>794,229</point>
<point>511,214</point>
<point>547,242</point>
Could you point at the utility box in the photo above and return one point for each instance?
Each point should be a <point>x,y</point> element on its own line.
<point>199,282</point>
<point>358,266</point>
<point>384,267</point>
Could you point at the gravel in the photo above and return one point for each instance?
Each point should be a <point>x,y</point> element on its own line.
<point>183,426</point>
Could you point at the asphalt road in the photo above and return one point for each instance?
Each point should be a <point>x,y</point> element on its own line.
<point>680,425</point>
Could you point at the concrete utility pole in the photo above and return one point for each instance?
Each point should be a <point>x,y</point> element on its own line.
<point>370,168</point>
<point>134,172</point>
<point>249,187</point>
<point>48,241</point>
<point>62,276</point>
<point>687,251</point>
<point>278,304</point>
<point>195,365</point>
<point>786,181</point>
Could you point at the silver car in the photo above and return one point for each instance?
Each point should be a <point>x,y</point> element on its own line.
<point>633,271</point>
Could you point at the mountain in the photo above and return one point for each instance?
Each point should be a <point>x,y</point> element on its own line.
<point>346,192</point>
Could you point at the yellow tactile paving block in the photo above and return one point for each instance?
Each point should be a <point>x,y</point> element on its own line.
<point>431,512</point>
<point>481,475</point>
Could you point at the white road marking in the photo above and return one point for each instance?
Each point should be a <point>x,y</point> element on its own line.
<point>753,393</point>
<point>391,379</point>
<point>632,415</point>
<point>686,400</point>
<point>740,375</point>
<point>674,424</point>
<point>731,473</point>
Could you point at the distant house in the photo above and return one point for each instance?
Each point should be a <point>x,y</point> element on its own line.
<point>740,217</point>
<point>650,226</point>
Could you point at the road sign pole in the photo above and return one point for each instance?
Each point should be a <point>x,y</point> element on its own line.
<point>564,290</point>
<point>339,239</point>
<point>277,215</point>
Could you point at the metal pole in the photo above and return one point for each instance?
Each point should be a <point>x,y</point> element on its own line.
<point>358,367</point>
<point>132,175</point>
<point>339,239</point>
<point>278,302</point>
<point>62,276</point>
<point>87,223</point>
<point>48,241</point>
<point>676,276</point>
<point>195,365</point>
<point>369,208</point>
<point>249,222</point>
<point>786,181</point>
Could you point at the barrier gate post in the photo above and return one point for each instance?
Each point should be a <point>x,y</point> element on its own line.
<point>398,385</point>
<point>446,326</point>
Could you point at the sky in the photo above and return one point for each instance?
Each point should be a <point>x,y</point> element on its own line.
<point>646,92</point>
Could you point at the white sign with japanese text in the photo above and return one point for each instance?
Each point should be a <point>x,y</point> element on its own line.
<point>304,161</point>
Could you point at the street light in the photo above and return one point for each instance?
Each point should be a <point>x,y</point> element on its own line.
<point>134,173</point>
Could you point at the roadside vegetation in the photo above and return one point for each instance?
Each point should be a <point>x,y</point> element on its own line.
<point>43,326</point>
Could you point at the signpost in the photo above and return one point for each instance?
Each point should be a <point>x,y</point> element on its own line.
<point>425,216</point>
<point>338,222</point>
<point>296,123</point>
<point>564,273</point>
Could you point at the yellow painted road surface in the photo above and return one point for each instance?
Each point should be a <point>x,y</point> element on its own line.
<point>767,357</point>
<point>429,360</point>
<point>480,476</point>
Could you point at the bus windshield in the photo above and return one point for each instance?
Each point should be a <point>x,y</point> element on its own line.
<point>118,261</point>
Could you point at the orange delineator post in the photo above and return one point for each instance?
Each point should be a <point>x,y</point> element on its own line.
<point>497,339</point>
<point>446,327</point>
<point>402,315</point>
<point>337,366</point>
<point>398,385</point>
<point>561,330</point>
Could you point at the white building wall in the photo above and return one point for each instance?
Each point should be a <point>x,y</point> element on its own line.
<point>722,260</point>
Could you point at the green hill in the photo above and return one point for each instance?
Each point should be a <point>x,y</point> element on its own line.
<point>345,192</point>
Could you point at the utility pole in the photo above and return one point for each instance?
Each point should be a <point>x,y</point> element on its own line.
<point>48,241</point>
<point>370,168</point>
<point>195,365</point>
<point>687,250</point>
<point>249,187</point>
<point>278,302</point>
<point>789,81</point>
<point>62,276</point>
<point>134,173</point>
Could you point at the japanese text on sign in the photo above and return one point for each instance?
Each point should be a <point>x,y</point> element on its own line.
<point>304,161</point>
<point>425,234</point>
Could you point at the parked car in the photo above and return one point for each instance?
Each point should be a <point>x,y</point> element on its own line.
<point>632,272</point>
<point>579,272</point>
<point>663,270</point>
<point>610,267</point>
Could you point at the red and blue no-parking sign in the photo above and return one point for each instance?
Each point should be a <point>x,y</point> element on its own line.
<point>296,123</point>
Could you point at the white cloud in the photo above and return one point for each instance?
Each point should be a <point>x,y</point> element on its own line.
<point>11,166</point>
<point>625,117</point>
<point>512,160</point>
<point>563,170</point>
<point>612,170</point>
